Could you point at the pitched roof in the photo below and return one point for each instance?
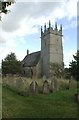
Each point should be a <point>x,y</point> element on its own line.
<point>31,59</point>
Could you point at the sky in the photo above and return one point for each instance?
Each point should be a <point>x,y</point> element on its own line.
<point>20,28</point>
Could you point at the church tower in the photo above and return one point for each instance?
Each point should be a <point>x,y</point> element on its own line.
<point>51,47</point>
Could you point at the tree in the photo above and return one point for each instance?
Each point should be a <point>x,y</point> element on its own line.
<point>67,73</point>
<point>4,5</point>
<point>10,65</point>
<point>74,66</point>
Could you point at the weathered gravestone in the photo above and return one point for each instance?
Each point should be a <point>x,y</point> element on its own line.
<point>77,97</point>
<point>45,87</point>
<point>33,88</point>
<point>44,77</point>
<point>10,82</point>
<point>54,85</point>
<point>21,86</point>
<point>70,84</point>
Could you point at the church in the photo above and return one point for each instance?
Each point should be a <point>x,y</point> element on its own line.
<point>51,52</point>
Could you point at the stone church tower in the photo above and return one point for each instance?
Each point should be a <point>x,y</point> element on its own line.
<point>51,47</point>
<point>51,52</point>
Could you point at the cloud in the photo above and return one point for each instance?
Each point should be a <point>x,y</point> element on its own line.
<point>68,57</point>
<point>25,11</point>
<point>70,24</point>
<point>78,8</point>
<point>9,46</point>
<point>5,50</point>
<point>26,18</point>
<point>21,11</point>
<point>37,11</point>
<point>2,41</point>
<point>36,1</point>
<point>71,9</point>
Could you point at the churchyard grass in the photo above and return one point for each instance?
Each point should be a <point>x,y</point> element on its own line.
<point>0,97</point>
<point>60,104</point>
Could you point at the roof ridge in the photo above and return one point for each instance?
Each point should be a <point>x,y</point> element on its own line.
<point>32,58</point>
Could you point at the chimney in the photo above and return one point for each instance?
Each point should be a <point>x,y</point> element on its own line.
<point>27,52</point>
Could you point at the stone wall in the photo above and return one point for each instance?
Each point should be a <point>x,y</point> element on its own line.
<point>36,70</point>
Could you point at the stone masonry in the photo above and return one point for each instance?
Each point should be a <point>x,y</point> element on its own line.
<point>51,47</point>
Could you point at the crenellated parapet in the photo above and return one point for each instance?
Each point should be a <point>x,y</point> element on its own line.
<point>51,30</point>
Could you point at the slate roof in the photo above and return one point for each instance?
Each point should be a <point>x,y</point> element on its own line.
<point>32,59</point>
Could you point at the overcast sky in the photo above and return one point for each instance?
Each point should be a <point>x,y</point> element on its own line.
<point>20,28</point>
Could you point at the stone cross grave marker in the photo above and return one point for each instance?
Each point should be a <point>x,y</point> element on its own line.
<point>54,84</point>
<point>33,88</point>
<point>45,87</point>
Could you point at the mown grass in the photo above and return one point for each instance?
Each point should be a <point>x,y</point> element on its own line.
<point>60,104</point>
<point>0,97</point>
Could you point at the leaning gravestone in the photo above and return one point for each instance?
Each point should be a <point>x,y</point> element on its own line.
<point>45,87</point>
<point>54,85</point>
<point>33,88</point>
<point>20,86</point>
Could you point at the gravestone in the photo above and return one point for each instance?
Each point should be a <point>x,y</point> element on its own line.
<point>45,87</point>
<point>44,77</point>
<point>33,88</point>
<point>31,71</point>
<point>20,86</point>
<point>77,97</point>
<point>70,83</point>
<point>54,85</point>
<point>10,82</point>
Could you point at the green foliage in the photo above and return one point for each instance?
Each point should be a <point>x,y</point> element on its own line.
<point>11,65</point>
<point>67,73</point>
<point>4,5</point>
<point>56,70</point>
<point>74,66</point>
